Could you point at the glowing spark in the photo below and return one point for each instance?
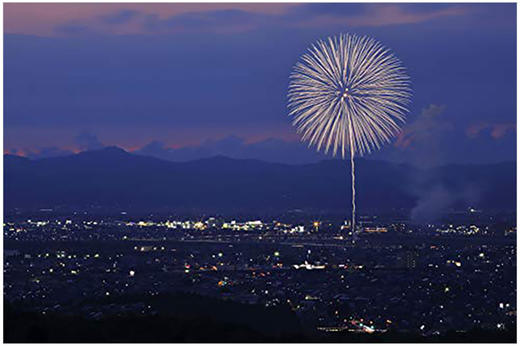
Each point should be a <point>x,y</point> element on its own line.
<point>348,94</point>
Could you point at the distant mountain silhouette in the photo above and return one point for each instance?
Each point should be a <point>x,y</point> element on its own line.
<point>271,150</point>
<point>112,177</point>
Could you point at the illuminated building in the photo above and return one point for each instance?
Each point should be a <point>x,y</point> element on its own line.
<point>376,229</point>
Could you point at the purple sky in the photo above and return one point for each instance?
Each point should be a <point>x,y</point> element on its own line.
<point>190,78</point>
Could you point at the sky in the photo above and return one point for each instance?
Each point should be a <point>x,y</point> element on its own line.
<point>184,81</point>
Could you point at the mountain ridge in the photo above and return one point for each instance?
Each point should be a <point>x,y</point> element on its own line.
<point>115,148</point>
<point>114,177</point>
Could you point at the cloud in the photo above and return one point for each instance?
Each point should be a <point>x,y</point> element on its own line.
<point>231,20</point>
<point>117,19</point>
<point>375,15</point>
<point>122,16</point>
<point>425,127</point>
<point>127,21</point>
<point>42,153</point>
<point>14,151</point>
<point>47,152</point>
<point>474,130</point>
<point>495,131</point>
<point>423,140</point>
<point>46,19</point>
<point>88,141</point>
<point>154,148</point>
<point>500,130</point>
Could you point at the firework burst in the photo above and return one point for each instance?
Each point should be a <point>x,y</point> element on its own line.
<point>348,94</point>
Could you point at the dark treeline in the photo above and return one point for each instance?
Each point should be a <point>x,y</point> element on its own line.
<point>191,318</point>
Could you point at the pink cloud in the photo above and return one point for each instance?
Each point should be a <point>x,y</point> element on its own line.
<point>41,18</point>
<point>496,131</point>
<point>474,129</point>
<point>500,130</point>
<point>405,140</point>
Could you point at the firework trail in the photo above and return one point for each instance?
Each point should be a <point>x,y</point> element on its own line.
<point>348,93</point>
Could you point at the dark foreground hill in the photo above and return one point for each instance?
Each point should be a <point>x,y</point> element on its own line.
<point>191,318</point>
<point>112,177</point>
